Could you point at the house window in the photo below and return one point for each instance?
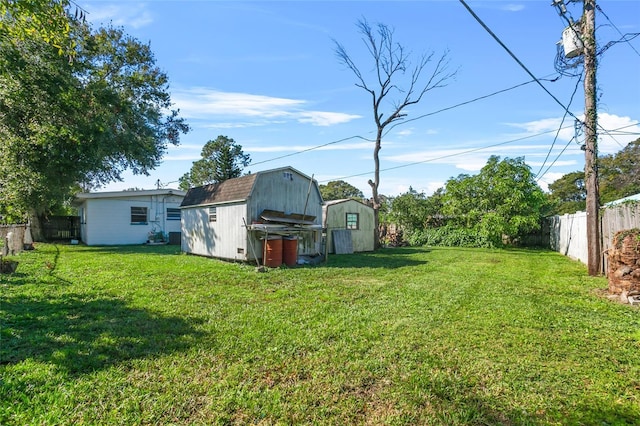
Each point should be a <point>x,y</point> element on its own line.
<point>213,214</point>
<point>173,214</point>
<point>353,221</point>
<point>138,215</point>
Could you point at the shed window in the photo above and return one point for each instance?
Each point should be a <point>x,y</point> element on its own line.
<point>138,215</point>
<point>213,214</point>
<point>173,214</point>
<point>353,221</point>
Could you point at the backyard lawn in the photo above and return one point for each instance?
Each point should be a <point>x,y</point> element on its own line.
<point>438,336</point>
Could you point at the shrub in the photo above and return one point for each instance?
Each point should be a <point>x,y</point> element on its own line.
<point>450,236</point>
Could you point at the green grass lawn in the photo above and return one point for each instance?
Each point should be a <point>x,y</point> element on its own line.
<point>146,335</point>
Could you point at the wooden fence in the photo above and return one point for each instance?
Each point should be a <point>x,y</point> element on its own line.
<point>568,233</point>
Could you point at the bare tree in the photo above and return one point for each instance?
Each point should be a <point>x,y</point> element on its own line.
<point>396,81</point>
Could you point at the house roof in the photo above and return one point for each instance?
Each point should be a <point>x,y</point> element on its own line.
<point>237,189</point>
<point>132,193</point>
<point>635,197</point>
<point>344,200</point>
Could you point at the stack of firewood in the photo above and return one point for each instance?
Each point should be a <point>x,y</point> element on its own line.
<point>624,265</point>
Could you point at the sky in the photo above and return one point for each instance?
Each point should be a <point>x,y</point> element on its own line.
<point>265,73</point>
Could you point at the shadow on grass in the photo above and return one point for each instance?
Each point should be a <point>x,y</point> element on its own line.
<point>387,258</point>
<point>456,402</point>
<point>80,336</point>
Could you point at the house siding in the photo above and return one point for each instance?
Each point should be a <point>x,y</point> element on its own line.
<point>107,221</point>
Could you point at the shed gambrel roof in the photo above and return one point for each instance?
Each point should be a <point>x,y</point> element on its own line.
<point>237,189</point>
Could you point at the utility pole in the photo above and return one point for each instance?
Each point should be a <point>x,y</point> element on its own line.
<point>594,256</point>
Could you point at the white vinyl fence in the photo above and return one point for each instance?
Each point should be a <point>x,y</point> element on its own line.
<point>568,233</point>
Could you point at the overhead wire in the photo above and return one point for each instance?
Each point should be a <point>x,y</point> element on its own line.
<point>469,151</point>
<point>479,98</point>
<point>628,41</point>
<point>523,66</point>
<point>560,127</point>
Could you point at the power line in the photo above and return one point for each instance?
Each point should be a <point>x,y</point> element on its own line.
<point>477,18</point>
<point>479,98</point>
<point>451,155</point>
<point>312,148</point>
<point>561,123</point>
<point>619,32</point>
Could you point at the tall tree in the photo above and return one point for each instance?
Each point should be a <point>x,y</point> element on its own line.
<point>568,194</point>
<point>394,84</point>
<point>222,159</point>
<point>339,189</point>
<point>618,174</point>
<point>64,123</point>
<point>502,200</point>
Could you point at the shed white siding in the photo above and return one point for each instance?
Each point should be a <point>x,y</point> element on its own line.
<point>226,238</point>
<point>282,190</point>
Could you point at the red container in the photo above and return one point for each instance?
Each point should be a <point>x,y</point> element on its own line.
<point>290,251</point>
<point>272,249</point>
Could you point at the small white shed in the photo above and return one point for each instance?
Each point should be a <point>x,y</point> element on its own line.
<point>128,217</point>
<point>230,220</point>
<point>353,223</point>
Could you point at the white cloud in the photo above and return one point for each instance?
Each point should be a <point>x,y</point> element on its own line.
<point>320,118</point>
<point>608,141</point>
<point>295,148</point>
<point>134,15</point>
<point>511,7</point>
<point>203,103</point>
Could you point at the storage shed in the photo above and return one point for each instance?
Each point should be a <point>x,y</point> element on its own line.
<point>349,226</point>
<point>128,217</point>
<point>236,219</point>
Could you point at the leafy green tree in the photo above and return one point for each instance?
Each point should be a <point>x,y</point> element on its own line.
<point>618,177</point>
<point>410,210</point>
<point>502,200</point>
<point>619,174</point>
<point>63,123</point>
<point>568,194</point>
<point>339,189</point>
<point>222,159</point>
<point>44,20</point>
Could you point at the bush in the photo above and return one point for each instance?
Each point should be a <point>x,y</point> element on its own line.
<point>450,236</point>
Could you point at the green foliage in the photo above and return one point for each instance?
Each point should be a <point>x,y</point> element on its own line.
<point>450,236</point>
<point>568,194</point>
<point>406,336</point>
<point>414,211</point>
<point>618,177</point>
<point>619,174</point>
<point>222,159</point>
<point>338,190</point>
<point>502,200</point>
<point>64,122</point>
<point>44,20</point>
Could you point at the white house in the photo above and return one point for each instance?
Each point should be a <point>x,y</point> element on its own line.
<point>232,219</point>
<point>352,222</point>
<point>128,217</point>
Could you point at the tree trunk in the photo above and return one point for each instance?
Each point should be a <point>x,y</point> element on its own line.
<point>36,226</point>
